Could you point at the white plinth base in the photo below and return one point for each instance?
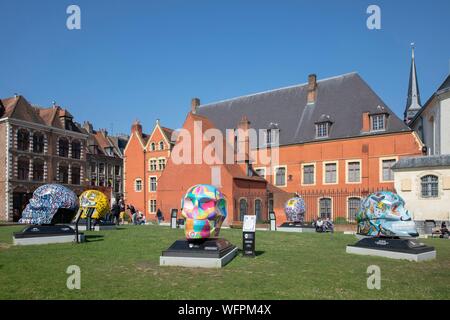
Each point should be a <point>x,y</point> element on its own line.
<point>198,262</point>
<point>284,229</point>
<point>430,255</point>
<point>96,228</point>
<point>48,240</point>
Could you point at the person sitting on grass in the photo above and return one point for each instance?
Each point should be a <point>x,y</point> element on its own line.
<point>444,229</point>
<point>319,225</point>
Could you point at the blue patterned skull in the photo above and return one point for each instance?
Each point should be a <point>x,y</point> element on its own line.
<point>46,202</point>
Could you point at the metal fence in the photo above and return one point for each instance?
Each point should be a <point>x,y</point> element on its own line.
<point>340,205</point>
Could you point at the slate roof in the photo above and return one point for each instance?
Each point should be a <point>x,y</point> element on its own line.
<point>423,162</point>
<point>344,98</point>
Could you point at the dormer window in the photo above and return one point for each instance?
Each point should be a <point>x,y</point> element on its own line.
<point>272,134</point>
<point>322,129</point>
<point>378,122</point>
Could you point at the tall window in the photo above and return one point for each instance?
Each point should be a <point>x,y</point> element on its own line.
<point>243,209</point>
<point>76,150</point>
<point>76,178</point>
<point>23,168</point>
<point>280,176</point>
<point>63,174</point>
<point>152,206</point>
<point>63,145</point>
<point>162,164</point>
<point>378,122</point>
<point>101,168</point>
<point>322,129</point>
<point>152,146</point>
<point>23,140</point>
<point>153,184</point>
<point>330,173</point>
<point>354,171</point>
<point>152,164</point>
<point>117,170</point>
<point>38,142</point>
<point>161,145</point>
<point>38,170</point>
<point>258,205</point>
<point>269,137</point>
<point>308,174</point>
<point>388,174</point>
<point>430,186</point>
<point>138,185</point>
<point>353,208</point>
<point>325,208</point>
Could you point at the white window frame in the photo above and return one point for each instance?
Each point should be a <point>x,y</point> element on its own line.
<point>135,185</point>
<point>348,207</point>
<point>303,174</point>
<point>275,168</point>
<point>331,206</point>
<point>372,118</point>
<point>327,129</point>
<point>159,145</point>
<point>324,171</point>
<point>347,162</point>
<point>150,184</point>
<point>380,164</point>
<point>158,165</point>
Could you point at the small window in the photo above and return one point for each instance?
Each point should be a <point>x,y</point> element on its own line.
<point>330,173</point>
<point>152,206</point>
<point>388,174</point>
<point>308,174</point>
<point>430,186</point>
<point>63,145</point>
<point>258,206</point>
<point>38,143</point>
<point>353,208</point>
<point>63,174</point>
<point>322,129</point>
<point>243,209</point>
<point>378,122</point>
<point>269,137</point>
<point>152,146</point>
<point>23,140</point>
<point>138,185</point>
<point>76,150</point>
<point>153,184</point>
<point>152,164</point>
<point>280,176</point>
<point>161,164</point>
<point>161,145</point>
<point>325,208</point>
<point>354,171</point>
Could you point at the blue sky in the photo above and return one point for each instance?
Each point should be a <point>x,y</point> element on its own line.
<point>146,59</point>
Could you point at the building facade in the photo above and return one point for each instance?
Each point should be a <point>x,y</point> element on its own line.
<point>145,158</point>
<point>37,146</point>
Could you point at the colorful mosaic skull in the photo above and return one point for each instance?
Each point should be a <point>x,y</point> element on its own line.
<point>47,200</point>
<point>384,214</point>
<point>96,200</point>
<point>204,208</point>
<point>295,209</point>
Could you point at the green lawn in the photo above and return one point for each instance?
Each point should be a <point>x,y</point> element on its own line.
<point>124,264</point>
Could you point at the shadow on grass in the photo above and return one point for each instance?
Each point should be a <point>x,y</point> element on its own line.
<point>93,238</point>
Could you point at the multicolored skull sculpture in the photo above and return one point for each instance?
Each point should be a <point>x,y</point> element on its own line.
<point>295,209</point>
<point>204,208</point>
<point>47,200</point>
<point>96,200</point>
<point>383,214</point>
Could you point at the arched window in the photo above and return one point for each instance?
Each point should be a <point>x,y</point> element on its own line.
<point>161,145</point>
<point>152,146</point>
<point>258,206</point>
<point>38,170</point>
<point>430,186</point>
<point>76,175</point>
<point>353,205</point>
<point>243,208</point>
<point>38,142</point>
<point>325,208</point>
<point>76,149</point>
<point>63,145</point>
<point>23,168</point>
<point>23,140</point>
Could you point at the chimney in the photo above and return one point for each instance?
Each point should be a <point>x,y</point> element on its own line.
<point>88,127</point>
<point>365,122</point>
<point>137,127</point>
<point>312,88</point>
<point>243,140</point>
<point>195,103</point>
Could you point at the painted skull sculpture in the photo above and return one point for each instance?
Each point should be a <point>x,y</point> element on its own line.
<point>204,207</point>
<point>47,201</point>
<point>383,214</point>
<point>295,209</point>
<point>96,200</point>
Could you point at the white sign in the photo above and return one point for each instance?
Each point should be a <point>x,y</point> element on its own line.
<point>249,224</point>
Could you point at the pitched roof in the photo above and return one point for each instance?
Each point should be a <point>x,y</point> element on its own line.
<point>344,98</point>
<point>19,108</point>
<point>423,162</point>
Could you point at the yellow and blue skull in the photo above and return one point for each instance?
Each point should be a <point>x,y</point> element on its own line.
<point>96,200</point>
<point>204,207</point>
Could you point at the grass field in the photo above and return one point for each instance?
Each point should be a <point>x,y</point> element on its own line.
<point>124,264</point>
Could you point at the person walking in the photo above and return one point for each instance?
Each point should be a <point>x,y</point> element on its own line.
<point>159,215</point>
<point>115,212</point>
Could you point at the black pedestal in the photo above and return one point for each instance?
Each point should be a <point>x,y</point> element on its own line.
<point>409,249</point>
<point>45,234</point>
<point>210,253</point>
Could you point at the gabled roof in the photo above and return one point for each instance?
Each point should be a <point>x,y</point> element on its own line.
<point>19,108</point>
<point>344,98</point>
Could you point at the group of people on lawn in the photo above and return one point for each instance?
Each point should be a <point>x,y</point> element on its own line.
<point>120,211</point>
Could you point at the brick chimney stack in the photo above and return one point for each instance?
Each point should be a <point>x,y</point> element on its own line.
<point>137,127</point>
<point>195,103</point>
<point>243,140</point>
<point>312,88</point>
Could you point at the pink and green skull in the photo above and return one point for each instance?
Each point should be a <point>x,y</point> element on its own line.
<point>204,208</point>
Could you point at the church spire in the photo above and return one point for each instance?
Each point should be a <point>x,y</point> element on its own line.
<point>413,104</point>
